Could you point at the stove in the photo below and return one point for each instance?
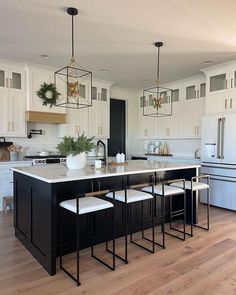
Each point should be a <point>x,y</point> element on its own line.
<point>44,160</point>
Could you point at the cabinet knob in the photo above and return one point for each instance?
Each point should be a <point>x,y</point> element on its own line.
<point>226,84</point>
<point>231,82</point>
<point>225,103</point>
<point>231,103</point>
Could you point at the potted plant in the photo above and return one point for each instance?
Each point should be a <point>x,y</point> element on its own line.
<point>75,150</point>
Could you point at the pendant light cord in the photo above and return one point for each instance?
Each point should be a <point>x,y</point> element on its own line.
<point>158,64</point>
<point>72,39</point>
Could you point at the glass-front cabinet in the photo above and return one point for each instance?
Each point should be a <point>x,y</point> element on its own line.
<point>11,78</point>
<point>195,88</point>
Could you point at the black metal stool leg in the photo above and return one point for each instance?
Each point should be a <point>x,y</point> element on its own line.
<point>77,248</point>
<point>163,221</point>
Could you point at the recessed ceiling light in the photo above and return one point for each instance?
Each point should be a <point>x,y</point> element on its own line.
<point>44,56</point>
<point>208,62</point>
<point>104,70</point>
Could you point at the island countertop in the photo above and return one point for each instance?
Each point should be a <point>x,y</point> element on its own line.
<point>55,173</point>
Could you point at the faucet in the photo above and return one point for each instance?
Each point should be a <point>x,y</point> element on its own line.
<point>104,148</point>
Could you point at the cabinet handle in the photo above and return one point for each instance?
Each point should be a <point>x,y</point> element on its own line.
<point>231,82</point>
<point>231,103</point>
<point>226,84</point>
<point>225,103</point>
<point>197,130</point>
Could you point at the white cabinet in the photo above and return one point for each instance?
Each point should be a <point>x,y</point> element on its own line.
<point>6,178</point>
<point>171,126</point>
<point>12,99</point>
<point>147,126</point>
<point>195,88</point>
<point>77,123</point>
<point>36,76</point>
<point>193,111</point>
<point>99,113</point>
<point>221,88</point>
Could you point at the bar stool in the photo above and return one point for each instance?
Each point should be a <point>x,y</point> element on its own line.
<point>163,190</point>
<point>194,186</point>
<point>127,197</point>
<point>85,204</point>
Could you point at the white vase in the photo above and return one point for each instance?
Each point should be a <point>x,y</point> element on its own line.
<point>77,161</point>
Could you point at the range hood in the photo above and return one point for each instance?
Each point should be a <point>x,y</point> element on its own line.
<point>45,117</point>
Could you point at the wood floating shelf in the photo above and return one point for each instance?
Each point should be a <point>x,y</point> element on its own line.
<point>44,117</point>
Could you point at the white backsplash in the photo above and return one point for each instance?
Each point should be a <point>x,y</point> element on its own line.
<point>185,147</point>
<point>47,141</point>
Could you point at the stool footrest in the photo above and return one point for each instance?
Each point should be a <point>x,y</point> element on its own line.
<point>182,239</point>
<point>141,246</point>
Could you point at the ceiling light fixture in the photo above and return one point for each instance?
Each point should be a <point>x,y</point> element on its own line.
<point>78,81</point>
<point>207,62</point>
<point>157,101</point>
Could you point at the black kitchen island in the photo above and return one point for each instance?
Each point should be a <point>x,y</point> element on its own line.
<point>38,191</point>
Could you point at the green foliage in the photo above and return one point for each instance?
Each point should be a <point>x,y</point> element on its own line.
<point>73,146</point>
<point>42,93</point>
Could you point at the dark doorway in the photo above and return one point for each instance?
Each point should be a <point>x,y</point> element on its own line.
<point>116,142</point>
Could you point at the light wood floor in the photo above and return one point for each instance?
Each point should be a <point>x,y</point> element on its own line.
<point>205,264</point>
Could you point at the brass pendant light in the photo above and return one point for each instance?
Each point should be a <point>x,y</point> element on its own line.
<point>78,88</point>
<point>157,100</point>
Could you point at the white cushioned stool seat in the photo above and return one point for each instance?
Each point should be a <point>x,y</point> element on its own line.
<point>196,185</point>
<point>168,190</point>
<point>132,196</point>
<point>86,205</point>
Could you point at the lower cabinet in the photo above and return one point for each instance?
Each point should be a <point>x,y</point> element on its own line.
<point>6,179</point>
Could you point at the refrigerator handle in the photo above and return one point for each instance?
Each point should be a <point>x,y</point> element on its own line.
<point>222,137</point>
<point>219,139</point>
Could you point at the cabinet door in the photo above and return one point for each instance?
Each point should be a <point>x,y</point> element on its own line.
<point>4,125</point>
<point>229,141</point>
<point>16,113</point>
<point>192,114</point>
<point>217,103</point>
<point>99,123</point>
<point>218,81</point>
<point>4,80</point>
<point>16,79</point>
<point>147,126</point>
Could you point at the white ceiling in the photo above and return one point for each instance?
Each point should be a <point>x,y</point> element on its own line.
<point>118,35</point>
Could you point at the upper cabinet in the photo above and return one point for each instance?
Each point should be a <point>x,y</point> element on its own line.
<point>36,76</point>
<point>99,112</point>
<point>195,88</point>
<point>12,99</point>
<point>221,88</point>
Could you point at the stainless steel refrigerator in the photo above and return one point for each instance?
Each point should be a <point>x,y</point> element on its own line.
<point>218,157</point>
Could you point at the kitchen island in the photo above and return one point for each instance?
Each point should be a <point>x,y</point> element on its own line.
<point>38,191</point>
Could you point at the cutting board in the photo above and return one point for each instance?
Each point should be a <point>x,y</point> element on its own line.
<point>4,153</point>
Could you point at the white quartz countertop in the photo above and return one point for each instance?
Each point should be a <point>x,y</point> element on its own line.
<point>174,158</point>
<point>54,173</point>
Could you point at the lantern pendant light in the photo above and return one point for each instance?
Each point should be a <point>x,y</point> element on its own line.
<point>157,100</point>
<point>75,82</point>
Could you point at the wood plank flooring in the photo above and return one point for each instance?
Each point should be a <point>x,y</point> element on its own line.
<point>204,264</point>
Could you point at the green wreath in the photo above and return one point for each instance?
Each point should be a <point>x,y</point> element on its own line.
<point>48,93</point>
